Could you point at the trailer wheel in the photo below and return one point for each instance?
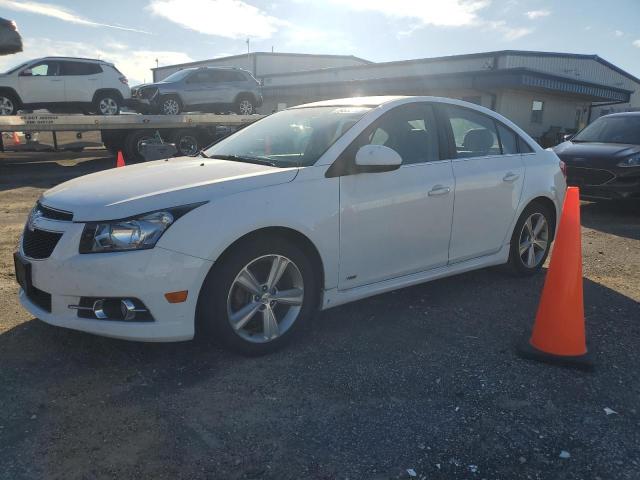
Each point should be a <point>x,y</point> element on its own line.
<point>133,143</point>
<point>112,141</point>
<point>186,142</point>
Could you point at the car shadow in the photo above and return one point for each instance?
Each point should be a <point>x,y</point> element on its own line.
<point>396,363</point>
<point>621,218</point>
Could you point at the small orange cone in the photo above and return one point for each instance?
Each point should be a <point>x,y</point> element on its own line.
<point>16,138</point>
<point>559,330</point>
<point>120,160</point>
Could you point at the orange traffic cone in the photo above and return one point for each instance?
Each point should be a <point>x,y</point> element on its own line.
<point>16,138</point>
<point>559,332</point>
<point>120,160</point>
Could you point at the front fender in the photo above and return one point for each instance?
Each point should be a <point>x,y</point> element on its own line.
<point>307,206</point>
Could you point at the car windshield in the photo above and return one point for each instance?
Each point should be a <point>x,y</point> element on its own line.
<point>177,76</point>
<point>291,138</point>
<point>17,67</point>
<point>623,129</point>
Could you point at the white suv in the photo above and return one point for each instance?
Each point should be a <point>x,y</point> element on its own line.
<point>64,84</point>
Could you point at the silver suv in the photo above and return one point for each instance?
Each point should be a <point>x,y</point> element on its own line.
<point>204,88</point>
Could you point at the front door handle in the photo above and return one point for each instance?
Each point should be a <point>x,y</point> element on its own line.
<point>438,190</point>
<point>511,177</point>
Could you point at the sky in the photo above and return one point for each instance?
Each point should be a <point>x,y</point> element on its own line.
<point>134,33</point>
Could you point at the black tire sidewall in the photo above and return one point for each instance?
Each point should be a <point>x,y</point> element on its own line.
<point>514,252</point>
<point>211,317</point>
<point>131,146</point>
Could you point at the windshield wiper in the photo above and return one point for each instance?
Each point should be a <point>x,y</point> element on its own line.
<point>245,159</point>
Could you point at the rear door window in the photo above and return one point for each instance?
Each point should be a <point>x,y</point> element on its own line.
<point>79,68</point>
<point>474,133</point>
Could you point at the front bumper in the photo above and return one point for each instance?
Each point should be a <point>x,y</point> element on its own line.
<point>615,184</point>
<point>146,275</point>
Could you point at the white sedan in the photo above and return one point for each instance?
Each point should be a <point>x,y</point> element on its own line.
<point>308,208</point>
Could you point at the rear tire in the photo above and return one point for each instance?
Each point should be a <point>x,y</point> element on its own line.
<point>9,104</point>
<point>223,296</point>
<point>107,104</point>
<point>531,240</point>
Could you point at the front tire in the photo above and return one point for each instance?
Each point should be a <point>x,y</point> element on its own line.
<point>259,297</point>
<point>245,105</point>
<point>170,105</point>
<point>531,240</point>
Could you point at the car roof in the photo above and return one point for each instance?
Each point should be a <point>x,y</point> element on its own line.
<point>355,101</point>
<point>75,59</point>
<point>623,114</point>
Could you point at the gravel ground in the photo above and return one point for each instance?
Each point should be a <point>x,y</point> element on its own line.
<point>421,381</point>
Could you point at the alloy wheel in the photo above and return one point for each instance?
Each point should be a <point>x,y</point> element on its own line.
<point>245,107</point>
<point>170,107</point>
<point>265,298</point>
<point>6,106</point>
<point>534,240</point>
<point>108,106</point>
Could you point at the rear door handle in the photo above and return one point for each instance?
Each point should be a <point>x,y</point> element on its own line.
<point>511,177</point>
<point>438,190</point>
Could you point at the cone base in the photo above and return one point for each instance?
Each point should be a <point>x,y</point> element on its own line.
<point>527,351</point>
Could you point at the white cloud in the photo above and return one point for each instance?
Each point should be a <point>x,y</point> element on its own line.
<point>636,43</point>
<point>509,33</point>
<point>618,33</point>
<point>446,13</point>
<point>61,13</point>
<point>224,18</point>
<point>135,64</point>
<point>317,40</point>
<point>534,14</point>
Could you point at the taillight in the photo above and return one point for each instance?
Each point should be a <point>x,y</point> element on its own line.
<point>124,80</point>
<point>563,167</point>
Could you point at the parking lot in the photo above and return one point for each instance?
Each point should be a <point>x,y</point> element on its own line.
<point>422,381</point>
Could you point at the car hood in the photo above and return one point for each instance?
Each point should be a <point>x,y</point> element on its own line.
<point>594,154</point>
<point>124,192</point>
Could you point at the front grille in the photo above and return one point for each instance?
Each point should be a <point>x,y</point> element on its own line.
<point>39,244</point>
<point>579,176</point>
<point>40,298</point>
<point>53,214</point>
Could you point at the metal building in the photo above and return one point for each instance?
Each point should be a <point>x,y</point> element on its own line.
<point>546,94</point>
<point>267,63</point>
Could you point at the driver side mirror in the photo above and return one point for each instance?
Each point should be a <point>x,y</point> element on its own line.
<point>377,158</point>
<point>26,73</point>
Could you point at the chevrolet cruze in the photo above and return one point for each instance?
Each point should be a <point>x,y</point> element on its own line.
<point>306,209</point>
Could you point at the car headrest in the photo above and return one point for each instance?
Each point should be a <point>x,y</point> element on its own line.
<point>478,140</point>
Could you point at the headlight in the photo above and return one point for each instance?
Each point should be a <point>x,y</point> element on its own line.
<point>632,161</point>
<point>136,233</point>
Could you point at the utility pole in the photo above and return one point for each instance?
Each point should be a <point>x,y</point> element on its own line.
<point>248,45</point>
<point>156,63</point>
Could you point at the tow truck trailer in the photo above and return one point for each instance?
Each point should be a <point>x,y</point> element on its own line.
<point>129,132</point>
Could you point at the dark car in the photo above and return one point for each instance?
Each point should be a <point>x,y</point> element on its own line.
<point>204,88</point>
<point>10,40</point>
<point>603,159</point>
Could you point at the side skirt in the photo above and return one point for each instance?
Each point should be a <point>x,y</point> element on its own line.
<point>334,297</point>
